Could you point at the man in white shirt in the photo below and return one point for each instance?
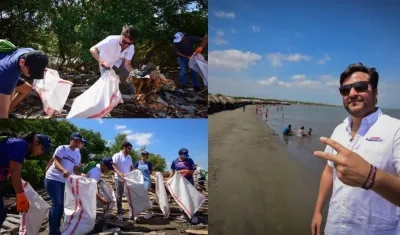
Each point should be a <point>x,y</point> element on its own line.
<point>116,52</point>
<point>363,166</point>
<point>66,162</point>
<point>122,163</point>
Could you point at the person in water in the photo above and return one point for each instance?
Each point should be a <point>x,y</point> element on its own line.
<point>288,130</point>
<point>300,132</point>
<point>310,131</point>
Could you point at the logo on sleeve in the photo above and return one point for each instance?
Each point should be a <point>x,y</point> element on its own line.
<point>375,139</point>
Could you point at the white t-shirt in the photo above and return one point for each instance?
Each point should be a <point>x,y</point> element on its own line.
<point>197,172</point>
<point>69,159</point>
<point>95,173</point>
<point>124,164</point>
<point>110,51</point>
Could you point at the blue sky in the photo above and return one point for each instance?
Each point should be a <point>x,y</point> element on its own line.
<point>160,136</point>
<point>296,50</point>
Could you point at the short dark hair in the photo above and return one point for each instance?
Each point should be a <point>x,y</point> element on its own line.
<point>126,144</point>
<point>359,67</point>
<point>130,32</point>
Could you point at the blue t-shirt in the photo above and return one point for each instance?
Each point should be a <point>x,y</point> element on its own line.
<point>186,164</point>
<point>286,130</point>
<point>14,149</point>
<point>10,70</point>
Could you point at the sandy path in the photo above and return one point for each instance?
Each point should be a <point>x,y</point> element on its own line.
<point>255,185</point>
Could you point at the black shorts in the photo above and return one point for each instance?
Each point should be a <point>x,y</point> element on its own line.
<point>20,82</point>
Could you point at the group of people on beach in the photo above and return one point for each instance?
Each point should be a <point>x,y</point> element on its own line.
<point>114,52</point>
<point>66,161</point>
<point>288,131</point>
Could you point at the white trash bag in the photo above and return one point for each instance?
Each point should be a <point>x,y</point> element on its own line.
<point>32,221</point>
<point>200,65</point>
<point>79,205</point>
<point>135,192</point>
<point>53,91</point>
<point>99,99</point>
<point>185,194</point>
<point>161,195</point>
<point>107,192</point>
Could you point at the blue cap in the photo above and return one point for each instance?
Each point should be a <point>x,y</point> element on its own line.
<point>84,141</point>
<point>76,136</point>
<point>108,162</point>
<point>144,153</point>
<point>183,152</point>
<point>45,141</point>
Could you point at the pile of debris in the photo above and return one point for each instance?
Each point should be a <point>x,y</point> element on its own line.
<point>177,103</point>
<point>219,102</point>
<point>157,225</point>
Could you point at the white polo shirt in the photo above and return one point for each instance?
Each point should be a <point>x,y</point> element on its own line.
<point>124,164</point>
<point>353,210</point>
<point>95,173</point>
<point>69,159</point>
<point>110,50</point>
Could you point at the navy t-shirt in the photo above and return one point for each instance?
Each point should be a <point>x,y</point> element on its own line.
<point>186,46</point>
<point>14,149</point>
<point>10,70</point>
<point>186,164</point>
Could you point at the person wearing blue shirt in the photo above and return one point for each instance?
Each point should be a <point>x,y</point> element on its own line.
<point>146,168</point>
<point>288,130</point>
<point>185,166</point>
<point>13,152</point>
<point>27,61</point>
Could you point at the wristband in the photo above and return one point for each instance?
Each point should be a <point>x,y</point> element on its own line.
<point>370,179</point>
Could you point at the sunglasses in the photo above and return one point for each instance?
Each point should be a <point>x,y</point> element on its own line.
<point>126,43</point>
<point>358,87</point>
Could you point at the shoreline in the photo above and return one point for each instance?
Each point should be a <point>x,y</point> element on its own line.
<point>256,186</point>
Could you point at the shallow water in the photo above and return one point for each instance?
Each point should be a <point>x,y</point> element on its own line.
<point>322,120</point>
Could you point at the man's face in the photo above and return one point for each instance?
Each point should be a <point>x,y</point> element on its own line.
<point>127,150</point>
<point>359,102</point>
<point>125,41</point>
<point>75,143</point>
<point>24,69</point>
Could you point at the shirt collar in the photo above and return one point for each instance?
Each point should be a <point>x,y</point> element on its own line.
<point>366,123</point>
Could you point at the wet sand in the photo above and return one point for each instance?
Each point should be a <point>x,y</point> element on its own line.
<point>255,185</point>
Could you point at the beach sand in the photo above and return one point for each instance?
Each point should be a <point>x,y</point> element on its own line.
<point>255,185</point>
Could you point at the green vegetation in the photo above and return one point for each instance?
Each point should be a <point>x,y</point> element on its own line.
<point>66,29</point>
<point>59,132</point>
<point>287,101</point>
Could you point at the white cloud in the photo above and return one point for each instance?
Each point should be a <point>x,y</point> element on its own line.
<point>233,30</point>
<point>141,139</point>
<point>324,60</point>
<point>298,77</point>
<point>100,120</point>
<point>222,14</point>
<point>220,41</point>
<point>126,132</point>
<point>220,33</point>
<point>268,81</point>
<point>330,81</point>
<point>255,28</point>
<point>232,59</point>
<point>278,58</point>
<point>120,127</point>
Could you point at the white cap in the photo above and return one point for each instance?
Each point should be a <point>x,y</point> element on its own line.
<point>178,37</point>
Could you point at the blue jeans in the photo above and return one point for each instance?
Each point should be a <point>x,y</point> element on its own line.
<point>184,67</point>
<point>3,211</point>
<point>55,189</point>
<point>123,75</point>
